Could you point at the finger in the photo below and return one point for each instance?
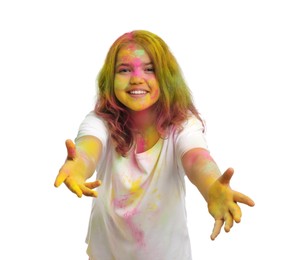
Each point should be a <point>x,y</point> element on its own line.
<point>236,212</point>
<point>92,185</point>
<point>60,178</point>
<point>226,176</point>
<point>71,149</point>
<point>88,192</point>
<point>228,222</point>
<point>74,187</point>
<point>240,197</point>
<point>216,229</point>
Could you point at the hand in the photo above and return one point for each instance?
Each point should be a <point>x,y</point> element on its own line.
<point>73,173</point>
<point>222,203</point>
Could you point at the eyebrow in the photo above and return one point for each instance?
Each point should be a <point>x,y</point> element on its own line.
<point>122,64</point>
<point>129,65</point>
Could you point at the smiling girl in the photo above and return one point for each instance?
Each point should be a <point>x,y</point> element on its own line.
<point>144,136</point>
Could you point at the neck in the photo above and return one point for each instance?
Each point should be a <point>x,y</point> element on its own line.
<point>146,134</point>
<point>143,120</point>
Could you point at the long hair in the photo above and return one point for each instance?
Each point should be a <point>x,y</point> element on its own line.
<point>175,103</point>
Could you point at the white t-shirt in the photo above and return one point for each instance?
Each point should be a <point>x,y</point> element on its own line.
<point>140,212</point>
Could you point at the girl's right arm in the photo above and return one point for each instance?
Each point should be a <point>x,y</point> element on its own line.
<point>80,165</point>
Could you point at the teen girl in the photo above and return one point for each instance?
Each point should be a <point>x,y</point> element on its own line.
<point>143,137</point>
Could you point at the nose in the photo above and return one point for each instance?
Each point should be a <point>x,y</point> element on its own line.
<point>136,79</point>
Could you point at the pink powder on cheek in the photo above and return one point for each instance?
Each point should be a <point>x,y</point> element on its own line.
<point>155,94</point>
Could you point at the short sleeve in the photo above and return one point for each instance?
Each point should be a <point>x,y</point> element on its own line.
<point>94,126</point>
<point>191,136</point>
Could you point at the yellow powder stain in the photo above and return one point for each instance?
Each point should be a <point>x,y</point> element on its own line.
<point>136,191</point>
<point>136,186</point>
<point>132,197</point>
<point>152,206</point>
<point>155,203</point>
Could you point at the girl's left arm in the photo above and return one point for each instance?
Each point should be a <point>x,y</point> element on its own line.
<point>222,201</point>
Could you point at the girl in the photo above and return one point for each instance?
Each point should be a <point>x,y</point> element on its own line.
<point>144,136</point>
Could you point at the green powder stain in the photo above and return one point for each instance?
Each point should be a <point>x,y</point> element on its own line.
<point>139,52</point>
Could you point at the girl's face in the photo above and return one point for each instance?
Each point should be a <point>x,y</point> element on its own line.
<point>135,84</point>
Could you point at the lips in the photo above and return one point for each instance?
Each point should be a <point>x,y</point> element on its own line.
<point>138,92</point>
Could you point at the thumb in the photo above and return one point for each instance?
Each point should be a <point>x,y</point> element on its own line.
<point>226,176</point>
<point>71,149</point>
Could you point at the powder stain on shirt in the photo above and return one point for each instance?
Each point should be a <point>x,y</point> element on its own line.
<point>131,198</point>
<point>137,233</point>
<point>136,190</point>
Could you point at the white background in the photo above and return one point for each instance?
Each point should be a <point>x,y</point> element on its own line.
<point>50,54</point>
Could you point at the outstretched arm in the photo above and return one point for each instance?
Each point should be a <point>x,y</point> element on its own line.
<point>222,201</point>
<point>80,165</point>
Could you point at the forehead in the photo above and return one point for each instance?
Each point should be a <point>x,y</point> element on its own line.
<point>132,50</point>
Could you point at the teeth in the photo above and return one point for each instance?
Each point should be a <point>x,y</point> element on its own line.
<point>137,92</point>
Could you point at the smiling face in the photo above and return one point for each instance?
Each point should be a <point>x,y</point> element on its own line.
<point>135,84</point>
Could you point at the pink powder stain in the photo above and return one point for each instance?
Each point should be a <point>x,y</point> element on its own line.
<point>121,202</point>
<point>155,94</point>
<point>129,214</point>
<point>137,63</point>
<point>141,144</point>
<point>203,153</point>
<point>137,233</point>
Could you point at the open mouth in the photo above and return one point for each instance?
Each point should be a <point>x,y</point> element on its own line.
<point>137,92</point>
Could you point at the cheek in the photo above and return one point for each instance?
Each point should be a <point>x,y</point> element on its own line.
<point>155,89</point>
<point>119,86</point>
<point>120,83</point>
<point>156,94</point>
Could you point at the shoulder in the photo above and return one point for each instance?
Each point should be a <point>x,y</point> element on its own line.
<point>93,125</point>
<point>189,135</point>
<point>190,125</point>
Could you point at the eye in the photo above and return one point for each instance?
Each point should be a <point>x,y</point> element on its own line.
<point>123,70</point>
<point>149,69</point>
